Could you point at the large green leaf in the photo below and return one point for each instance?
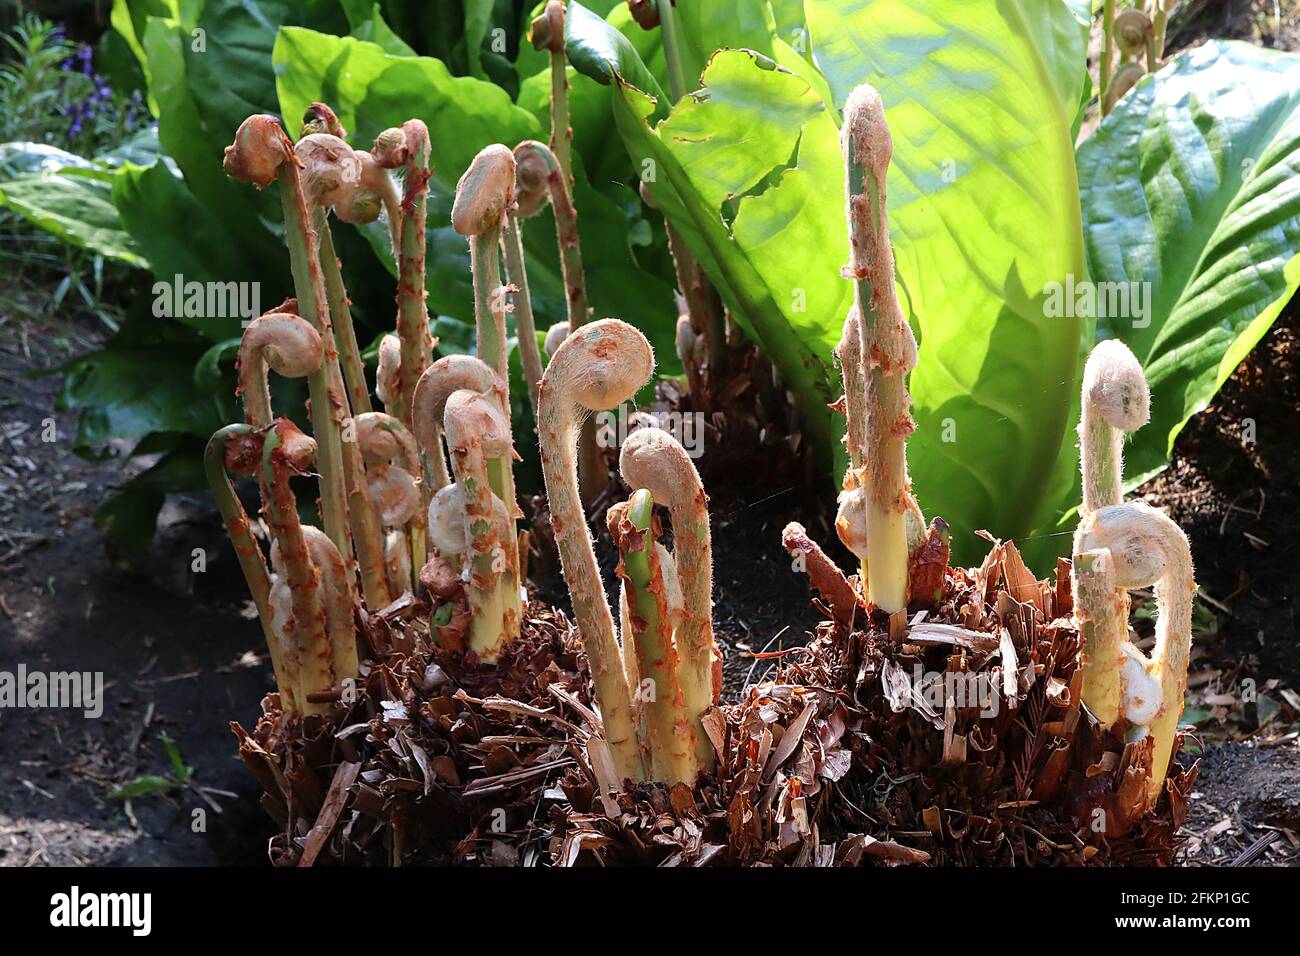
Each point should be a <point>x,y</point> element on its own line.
<point>66,196</point>
<point>183,239</point>
<point>788,320</point>
<point>129,18</point>
<point>705,28</point>
<point>1191,188</point>
<point>604,53</point>
<point>478,16</point>
<point>1062,30</point>
<point>209,66</point>
<point>984,212</point>
<point>194,139</point>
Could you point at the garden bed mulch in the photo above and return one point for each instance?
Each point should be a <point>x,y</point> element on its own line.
<point>844,757</point>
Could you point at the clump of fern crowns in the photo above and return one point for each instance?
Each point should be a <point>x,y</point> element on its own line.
<point>1138,35</point>
<point>378,483</point>
<point>1117,546</point>
<point>388,495</point>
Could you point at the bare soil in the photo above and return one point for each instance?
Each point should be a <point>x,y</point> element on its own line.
<point>1234,487</point>
<point>176,654</point>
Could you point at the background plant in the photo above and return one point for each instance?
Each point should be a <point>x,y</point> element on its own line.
<point>55,111</point>
<point>987,213</point>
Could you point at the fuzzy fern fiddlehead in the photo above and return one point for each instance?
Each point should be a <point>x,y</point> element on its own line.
<point>886,354</point>
<point>600,366</point>
<point>1115,400</point>
<point>1148,549</point>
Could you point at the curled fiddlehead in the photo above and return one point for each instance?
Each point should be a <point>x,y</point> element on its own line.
<point>282,341</point>
<point>599,366</point>
<point>1148,549</point>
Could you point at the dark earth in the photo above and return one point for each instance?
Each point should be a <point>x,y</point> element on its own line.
<point>182,654</point>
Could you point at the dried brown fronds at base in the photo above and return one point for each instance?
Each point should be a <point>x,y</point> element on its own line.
<point>780,751</point>
<point>906,740</point>
<point>974,745</point>
<point>434,757</point>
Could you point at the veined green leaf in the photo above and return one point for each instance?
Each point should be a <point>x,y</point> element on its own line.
<point>1063,39</point>
<point>704,28</point>
<point>120,402</point>
<point>984,213</point>
<point>68,197</point>
<point>183,239</point>
<point>745,122</point>
<point>598,50</point>
<point>1191,191</point>
<point>783,319</point>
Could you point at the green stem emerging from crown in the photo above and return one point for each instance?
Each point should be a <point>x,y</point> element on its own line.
<point>887,351</point>
<point>652,459</point>
<point>262,153</point>
<point>658,693</point>
<point>237,450</point>
<point>599,366</point>
<point>547,33</point>
<point>286,452</point>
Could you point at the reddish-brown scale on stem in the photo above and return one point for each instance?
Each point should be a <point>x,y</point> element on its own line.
<point>410,147</point>
<point>547,33</point>
<point>243,455</point>
<point>652,459</point>
<point>822,572</point>
<point>666,736</point>
<point>288,452</point>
